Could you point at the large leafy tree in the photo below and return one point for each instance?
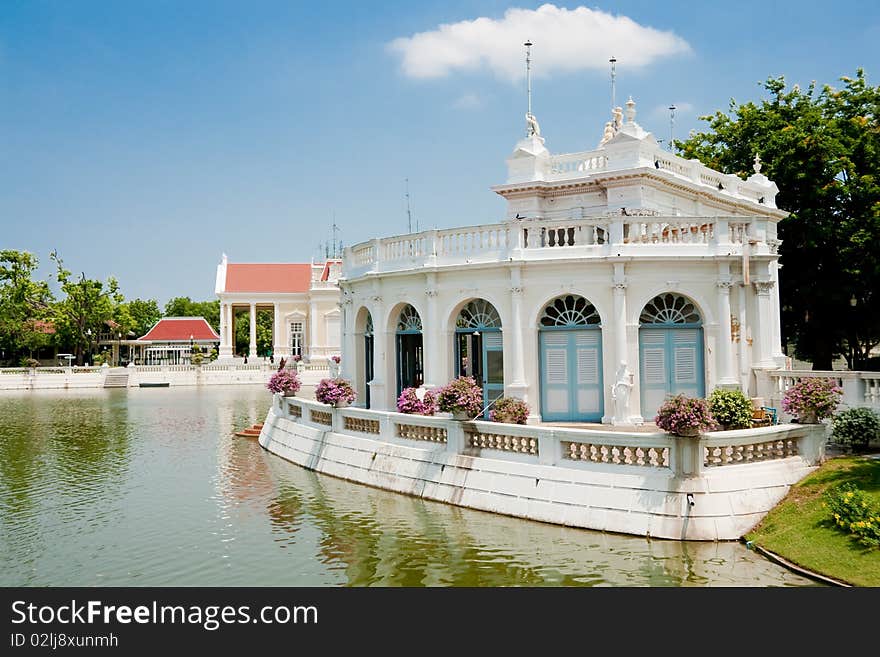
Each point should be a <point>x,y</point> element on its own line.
<point>822,148</point>
<point>138,315</point>
<point>24,305</point>
<point>186,307</point>
<point>87,305</point>
<point>243,332</point>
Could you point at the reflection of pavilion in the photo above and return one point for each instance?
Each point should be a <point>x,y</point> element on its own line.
<point>387,539</point>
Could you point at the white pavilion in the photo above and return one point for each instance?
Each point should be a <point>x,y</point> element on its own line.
<point>620,275</point>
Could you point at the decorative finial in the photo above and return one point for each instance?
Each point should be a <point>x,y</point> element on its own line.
<point>757,165</point>
<point>613,62</point>
<point>630,110</point>
<point>223,259</point>
<point>532,128</point>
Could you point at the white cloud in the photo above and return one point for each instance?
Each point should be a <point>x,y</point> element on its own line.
<point>468,102</point>
<point>564,40</point>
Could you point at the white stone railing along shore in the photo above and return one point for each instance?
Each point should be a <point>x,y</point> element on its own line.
<point>23,378</point>
<point>540,239</point>
<point>570,448</point>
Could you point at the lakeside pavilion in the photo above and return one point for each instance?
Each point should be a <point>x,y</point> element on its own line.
<point>302,297</point>
<point>171,340</point>
<point>620,275</point>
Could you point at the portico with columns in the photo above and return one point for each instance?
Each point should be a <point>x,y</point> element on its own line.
<point>620,275</point>
<point>304,300</point>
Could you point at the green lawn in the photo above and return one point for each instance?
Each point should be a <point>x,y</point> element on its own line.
<point>799,530</point>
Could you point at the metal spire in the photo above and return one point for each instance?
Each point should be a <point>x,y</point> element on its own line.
<point>671,125</point>
<point>408,211</point>
<point>528,45</point>
<point>613,61</point>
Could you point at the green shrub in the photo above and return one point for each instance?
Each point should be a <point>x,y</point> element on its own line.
<point>852,511</point>
<point>510,410</point>
<point>731,408</point>
<point>29,362</point>
<point>856,427</point>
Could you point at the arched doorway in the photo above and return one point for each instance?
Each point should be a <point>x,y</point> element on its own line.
<point>368,357</point>
<point>479,349</point>
<point>570,344</point>
<point>410,354</point>
<point>670,351</point>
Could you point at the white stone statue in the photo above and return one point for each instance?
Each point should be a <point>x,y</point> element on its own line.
<point>620,392</point>
<point>608,134</point>
<point>532,123</point>
<point>617,113</point>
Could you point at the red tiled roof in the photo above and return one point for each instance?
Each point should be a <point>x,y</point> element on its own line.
<point>179,329</point>
<point>268,277</point>
<point>43,326</point>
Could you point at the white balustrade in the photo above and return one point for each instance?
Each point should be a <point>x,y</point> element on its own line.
<point>571,165</point>
<point>563,447</point>
<point>669,231</point>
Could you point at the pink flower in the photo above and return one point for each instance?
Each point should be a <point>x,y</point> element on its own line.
<point>284,381</point>
<point>332,391</point>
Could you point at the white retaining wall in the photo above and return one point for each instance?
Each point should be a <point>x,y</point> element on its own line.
<point>632,483</point>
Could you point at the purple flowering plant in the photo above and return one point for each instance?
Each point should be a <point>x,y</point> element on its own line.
<point>284,381</point>
<point>462,394</point>
<point>409,402</point>
<point>510,410</point>
<point>296,358</point>
<point>333,391</point>
<point>336,359</point>
<point>817,395</point>
<point>682,415</point>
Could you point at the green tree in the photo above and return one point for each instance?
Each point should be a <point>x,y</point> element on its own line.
<point>24,305</point>
<point>186,307</point>
<point>141,315</point>
<point>243,333</point>
<point>88,303</point>
<point>822,148</point>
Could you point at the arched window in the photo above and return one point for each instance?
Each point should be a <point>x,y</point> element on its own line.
<point>670,308</point>
<point>409,320</point>
<point>368,327</point>
<point>570,347</point>
<point>478,314</point>
<point>569,310</point>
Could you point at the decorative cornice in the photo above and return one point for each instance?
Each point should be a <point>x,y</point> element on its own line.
<point>763,287</point>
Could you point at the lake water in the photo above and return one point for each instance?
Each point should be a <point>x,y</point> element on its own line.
<point>149,487</point>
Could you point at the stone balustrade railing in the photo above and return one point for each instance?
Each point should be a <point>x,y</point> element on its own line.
<point>538,239</point>
<point>860,389</point>
<point>570,448</point>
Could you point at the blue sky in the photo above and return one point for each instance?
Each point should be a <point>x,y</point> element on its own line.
<point>143,139</point>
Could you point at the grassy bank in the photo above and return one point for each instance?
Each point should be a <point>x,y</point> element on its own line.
<point>799,528</point>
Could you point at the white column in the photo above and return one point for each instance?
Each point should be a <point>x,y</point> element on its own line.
<point>745,341</point>
<point>378,395</point>
<point>277,333</point>
<point>725,352</point>
<point>518,386</point>
<point>432,335</point>
<point>227,342</point>
<point>776,352</point>
<point>252,352</point>
<point>313,329</point>
<point>765,319</point>
<point>349,365</point>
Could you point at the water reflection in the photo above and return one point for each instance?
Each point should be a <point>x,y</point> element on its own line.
<point>151,488</point>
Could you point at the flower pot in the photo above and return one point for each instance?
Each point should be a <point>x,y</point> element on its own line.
<point>341,404</point>
<point>808,417</point>
<point>289,393</point>
<point>689,432</point>
<point>460,415</point>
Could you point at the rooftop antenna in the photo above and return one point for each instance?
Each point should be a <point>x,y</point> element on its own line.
<point>528,45</point>
<point>671,125</point>
<point>613,61</point>
<point>335,230</point>
<point>408,211</point>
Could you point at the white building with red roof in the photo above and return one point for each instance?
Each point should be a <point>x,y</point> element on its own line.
<point>170,341</point>
<point>303,299</point>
